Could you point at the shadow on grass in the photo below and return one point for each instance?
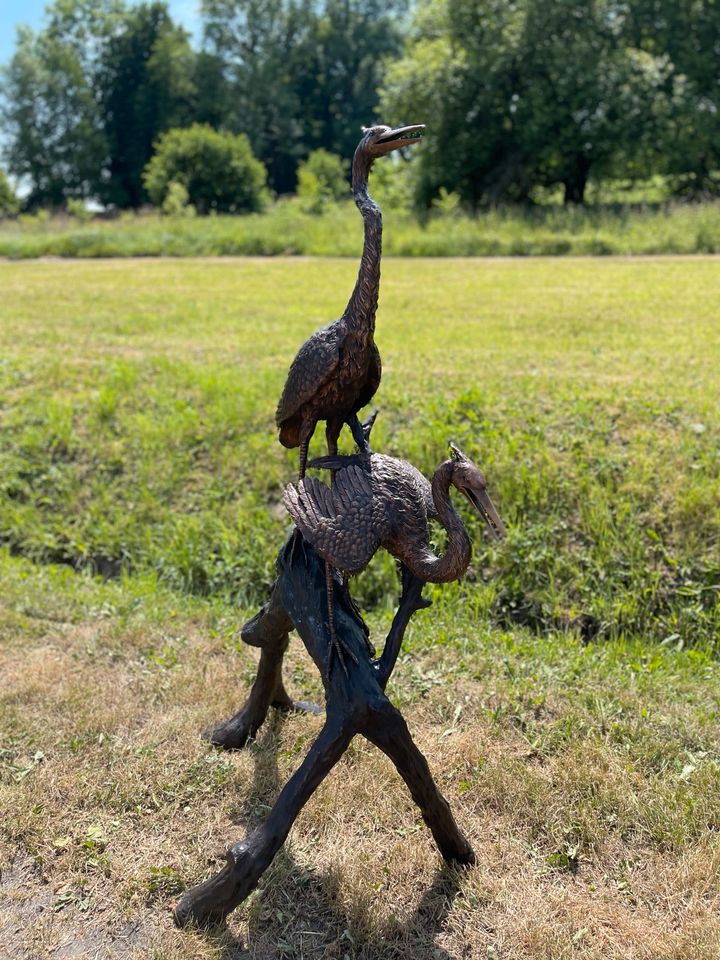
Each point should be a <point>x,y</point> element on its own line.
<point>298,912</point>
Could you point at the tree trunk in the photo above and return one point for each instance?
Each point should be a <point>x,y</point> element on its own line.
<point>576,182</point>
<point>355,704</point>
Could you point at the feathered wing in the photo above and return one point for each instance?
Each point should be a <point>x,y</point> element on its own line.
<point>315,363</point>
<point>339,521</point>
<point>373,378</point>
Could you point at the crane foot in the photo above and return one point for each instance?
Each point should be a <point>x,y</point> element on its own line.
<point>336,645</point>
<point>338,649</point>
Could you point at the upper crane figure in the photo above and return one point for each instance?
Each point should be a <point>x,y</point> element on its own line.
<point>337,370</point>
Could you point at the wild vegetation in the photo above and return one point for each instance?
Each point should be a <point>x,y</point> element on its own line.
<point>566,693</point>
<point>9,204</point>
<point>314,225</point>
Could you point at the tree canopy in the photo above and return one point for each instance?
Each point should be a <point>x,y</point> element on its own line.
<point>518,95</point>
<point>297,75</point>
<point>527,94</point>
<point>146,86</point>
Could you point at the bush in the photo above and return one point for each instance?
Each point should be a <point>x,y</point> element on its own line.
<point>392,183</point>
<point>218,170</point>
<point>9,203</point>
<point>177,201</point>
<point>446,204</point>
<point>39,218</point>
<point>322,179</point>
<point>78,211</point>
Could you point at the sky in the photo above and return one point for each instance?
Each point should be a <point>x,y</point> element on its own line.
<point>15,12</point>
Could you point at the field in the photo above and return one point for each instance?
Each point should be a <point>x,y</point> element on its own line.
<point>284,229</point>
<point>567,694</point>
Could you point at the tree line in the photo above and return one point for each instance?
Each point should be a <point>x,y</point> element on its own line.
<point>528,94</point>
<point>518,95</point>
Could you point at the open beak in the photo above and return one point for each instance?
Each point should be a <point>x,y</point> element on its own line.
<point>399,137</point>
<point>484,506</point>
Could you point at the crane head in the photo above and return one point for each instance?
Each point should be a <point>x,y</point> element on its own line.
<point>470,481</point>
<point>379,140</point>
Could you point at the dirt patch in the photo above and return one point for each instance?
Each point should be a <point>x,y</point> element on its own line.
<point>34,922</point>
<point>24,900</point>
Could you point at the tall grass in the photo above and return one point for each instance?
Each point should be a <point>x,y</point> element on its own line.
<point>286,230</point>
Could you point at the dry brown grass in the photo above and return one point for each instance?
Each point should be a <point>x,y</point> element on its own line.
<point>127,804</point>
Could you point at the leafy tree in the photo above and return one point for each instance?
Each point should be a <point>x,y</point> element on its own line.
<point>254,43</point>
<point>9,204</point>
<point>687,35</point>
<point>523,93</point>
<point>55,138</point>
<point>296,75</point>
<point>322,178</point>
<point>213,100</point>
<point>460,73</point>
<point>340,66</point>
<point>86,97</point>
<point>217,169</point>
<point>585,104</point>
<point>147,85</point>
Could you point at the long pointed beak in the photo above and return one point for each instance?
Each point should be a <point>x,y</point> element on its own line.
<point>400,137</point>
<point>484,506</point>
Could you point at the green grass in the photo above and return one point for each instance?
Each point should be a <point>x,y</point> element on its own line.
<point>285,230</point>
<point>137,432</point>
<point>567,693</point>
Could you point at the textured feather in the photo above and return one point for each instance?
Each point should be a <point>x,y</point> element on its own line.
<point>338,522</point>
<point>373,379</point>
<point>315,364</point>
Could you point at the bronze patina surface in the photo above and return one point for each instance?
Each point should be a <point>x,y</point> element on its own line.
<point>385,502</point>
<point>373,501</point>
<point>337,370</point>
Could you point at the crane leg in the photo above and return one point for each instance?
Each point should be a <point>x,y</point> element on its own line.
<point>332,432</point>
<point>303,458</point>
<point>358,433</point>
<point>306,432</point>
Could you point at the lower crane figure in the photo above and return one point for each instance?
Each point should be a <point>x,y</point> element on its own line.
<point>375,501</point>
<point>386,502</point>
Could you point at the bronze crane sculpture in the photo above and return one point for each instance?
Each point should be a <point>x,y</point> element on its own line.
<point>387,502</point>
<point>373,501</point>
<point>337,370</point>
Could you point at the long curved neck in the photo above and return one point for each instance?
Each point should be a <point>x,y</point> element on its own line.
<point>456,559</point>
<point>362,306</point>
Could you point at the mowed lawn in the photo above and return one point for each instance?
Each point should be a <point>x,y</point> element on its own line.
<point>566,695</point>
